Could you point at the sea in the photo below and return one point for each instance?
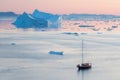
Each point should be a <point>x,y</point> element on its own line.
<point>24,54</point>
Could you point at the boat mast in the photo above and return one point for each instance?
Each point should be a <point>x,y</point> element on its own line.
<point>82,51</point>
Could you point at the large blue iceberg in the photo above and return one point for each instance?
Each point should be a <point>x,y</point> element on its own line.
<point>38,20</point>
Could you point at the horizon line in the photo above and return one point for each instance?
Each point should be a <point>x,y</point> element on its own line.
<point>62,13</point>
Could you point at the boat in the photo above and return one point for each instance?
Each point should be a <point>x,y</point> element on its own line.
<point>83,65</point>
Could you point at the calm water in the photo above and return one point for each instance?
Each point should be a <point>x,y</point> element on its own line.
<point>28,59</point>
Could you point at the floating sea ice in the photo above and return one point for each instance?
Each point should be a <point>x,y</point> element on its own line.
<point>56,53</point>
<point>13,43</point>
<point>70,33</point>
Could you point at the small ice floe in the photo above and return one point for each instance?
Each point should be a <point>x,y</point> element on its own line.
<point>99,32</point>
<point>109,29</point>
<point>76,34</point>
<point>83,33</point>
<point>71,33</point>
<point>56,52</point>
<point>114,26</point>
<point>13,43</point>
<point>86,26</point>
<point>76,23</point>
<point>96,29</point>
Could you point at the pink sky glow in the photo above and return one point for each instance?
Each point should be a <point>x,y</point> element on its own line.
<point>62,6</point>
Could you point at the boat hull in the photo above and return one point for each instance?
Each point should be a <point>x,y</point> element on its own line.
<point>84,66</point>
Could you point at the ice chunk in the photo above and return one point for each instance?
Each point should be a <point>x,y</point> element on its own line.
<point>70,33</point>
<point>13,43</point>
<point>56,53</point>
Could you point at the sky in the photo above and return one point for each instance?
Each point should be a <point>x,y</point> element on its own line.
<point>62,6</point>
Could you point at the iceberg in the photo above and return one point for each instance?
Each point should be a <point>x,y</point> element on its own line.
<point>56,53</point>
<point>38,20</point>
<point>28,21</point>
<point>54,21</point>
<point>38,15</point>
